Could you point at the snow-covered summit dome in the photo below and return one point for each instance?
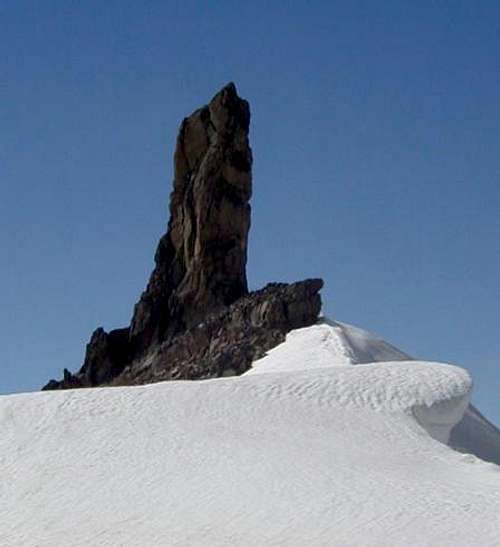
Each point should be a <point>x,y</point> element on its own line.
<point>331,343</point>
<point>327,343</point>
<point>303,449</point>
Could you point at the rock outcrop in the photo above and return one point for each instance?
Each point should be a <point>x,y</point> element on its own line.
<point>201,260</point>
<point>196,319</point>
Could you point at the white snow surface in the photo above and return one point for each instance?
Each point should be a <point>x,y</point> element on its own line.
<point>328,343</point>
<point>332,343</point>
<point>322,454</point>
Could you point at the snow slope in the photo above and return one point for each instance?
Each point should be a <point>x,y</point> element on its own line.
<point>326,455</point>
<point>332,343</point>
<point>328,343</point>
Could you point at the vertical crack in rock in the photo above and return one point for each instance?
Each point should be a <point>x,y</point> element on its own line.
<point>200,269</point>
<point>201,260</point>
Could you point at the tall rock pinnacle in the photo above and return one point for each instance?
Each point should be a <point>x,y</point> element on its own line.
<point>196,318</point>
<point>201,260</point>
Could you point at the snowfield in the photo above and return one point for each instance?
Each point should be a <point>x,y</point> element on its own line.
<point>304,449</point>
<point>332,344</point>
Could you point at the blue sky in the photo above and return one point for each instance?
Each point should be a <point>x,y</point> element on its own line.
<point>375,131</point>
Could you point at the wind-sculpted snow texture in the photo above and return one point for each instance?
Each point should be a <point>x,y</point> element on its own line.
<point>332,343</point>
<point>314,457</point>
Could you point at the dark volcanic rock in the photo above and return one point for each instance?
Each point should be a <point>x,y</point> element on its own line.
<point>196,319</point>
<point>201,260</point>
<point>227,341</point>
<point>106,356</point>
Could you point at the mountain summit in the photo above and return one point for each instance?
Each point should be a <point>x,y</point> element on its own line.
<point>325,435</point>
<point>201,260</point>
<point>196,318</point>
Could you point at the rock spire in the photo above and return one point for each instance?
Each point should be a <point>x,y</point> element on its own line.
<point>196,318</point>
<point>201,260</point>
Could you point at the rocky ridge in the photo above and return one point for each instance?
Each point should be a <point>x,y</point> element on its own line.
<point>196,318</point>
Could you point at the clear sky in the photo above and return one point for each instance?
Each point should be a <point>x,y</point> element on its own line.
<point>375,131</point>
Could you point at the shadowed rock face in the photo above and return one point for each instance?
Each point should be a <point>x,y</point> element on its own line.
<point>200,270</point>
<point>228,341</point>
<point>201,260</point>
